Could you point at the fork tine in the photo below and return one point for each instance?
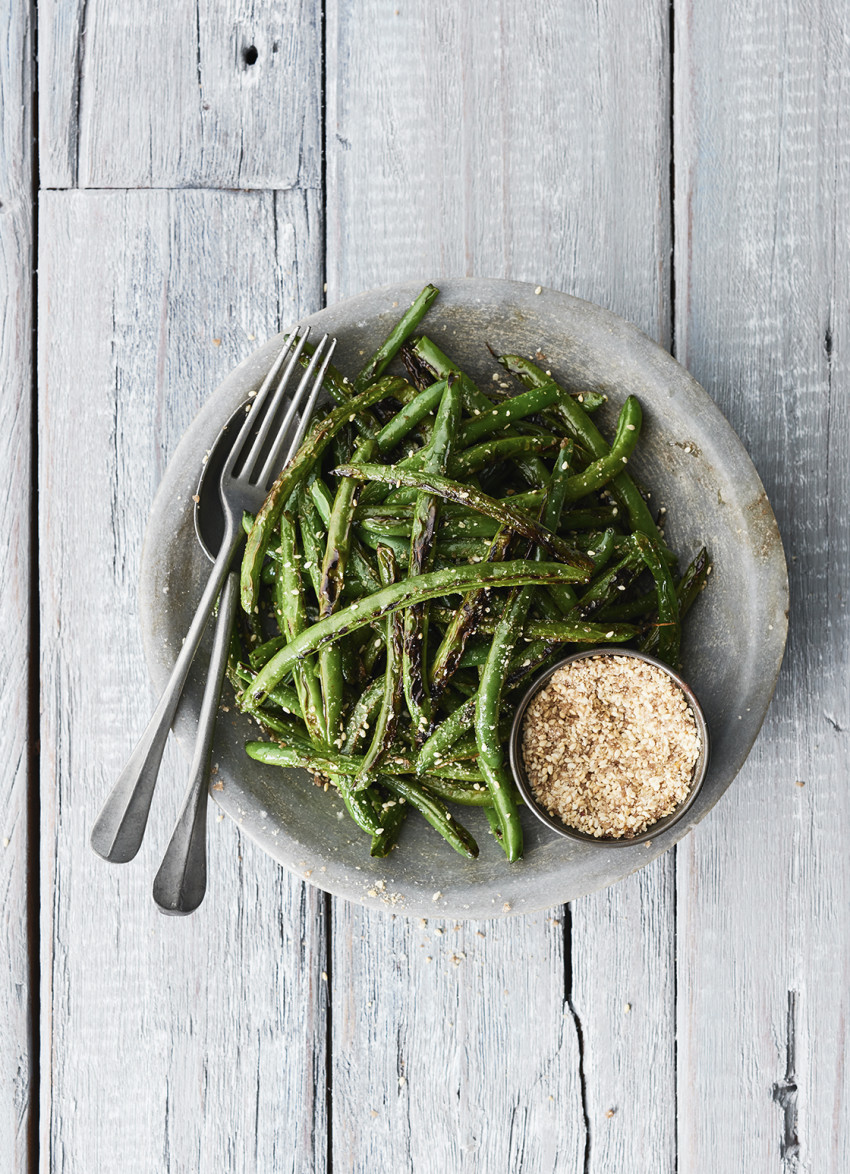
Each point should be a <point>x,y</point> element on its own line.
<point>270,410</point>
<point>275,459</point>
<point>257,405</point>
<point>253,455</point>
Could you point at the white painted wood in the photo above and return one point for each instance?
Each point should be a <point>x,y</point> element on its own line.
<point>15,502</point>
<point>762,187</point>
<point>624,998</point>
<point>528,141</point>
<point>171,95</point>
<point>453,1047</point>
<point>525,141</point>
<point>188,1044</point>
<point>506,140</point>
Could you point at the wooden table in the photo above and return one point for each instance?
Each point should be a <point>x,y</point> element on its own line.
<point>205,173</point>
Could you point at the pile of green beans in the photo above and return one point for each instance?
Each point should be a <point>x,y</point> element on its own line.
<point>429,549</point>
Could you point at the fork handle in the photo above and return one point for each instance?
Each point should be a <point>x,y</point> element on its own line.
<point>118,832</point>
<point>181,882</point>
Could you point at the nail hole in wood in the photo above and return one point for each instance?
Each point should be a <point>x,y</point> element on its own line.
<point>250,55</point>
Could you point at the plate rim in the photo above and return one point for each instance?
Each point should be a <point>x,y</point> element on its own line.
<point>248,373</point>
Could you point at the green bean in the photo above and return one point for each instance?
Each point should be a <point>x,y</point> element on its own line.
<point>282,696</point>
<point>669,631</point>
<point>693,581</point>
<point>687,591</point>
<point>494,822</point>
<point>362,716</point>
<point>291,615</point>
<point>464,621</point>
<point>452,550</point>
<point>361,808</point>
<point>359,804</point>
<point>388,349</point>
<point>553,507</point>
<point>631,609</point>
<point>464,793</point>
<point>265,651</point>
<point>504,414</point>
<point>429,354</point>
<point>533,470</point>
<point>323,499</point>
<point>567,631</point>
<point>330,590</point>
<point>583,429</point>
<point>601,471</point>
<point>385,724</point>
<point>591,519</point>
<point>435,811</point>
<point>398,544</point>
<point>416,690</point>
<point>371,653</point>
<point>310,528</point>
<point>413,413</point>
<point>504,514</point>
<point>392,818</point>
<point>289,479</point>
<point>444,736</point>
<point>472,460</point>
<point>490,752</point>
<point>360,570</point>
<point>610,585</point>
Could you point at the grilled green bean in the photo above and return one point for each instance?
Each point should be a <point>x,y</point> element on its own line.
<point>423,526</point>
<point>669,631</point>
<point>296,471</point>
<point>583,429</point>
<point>387,718</point>
<point>428,586</point>
<point>388,349</point>
<point>490,753</point>
<point>504,514</point>
<point>435,811</point>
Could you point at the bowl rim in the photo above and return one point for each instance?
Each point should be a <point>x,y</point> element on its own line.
<point>521,778</point>
<point>546,875</point>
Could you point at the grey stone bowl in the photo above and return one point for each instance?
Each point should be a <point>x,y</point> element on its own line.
<point>732,649</point>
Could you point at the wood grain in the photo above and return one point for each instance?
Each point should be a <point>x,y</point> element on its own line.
<point>762,186</point>
<point>454,1049</point>
<point>502,140</point>
<point>174,95</point>
<point>167,1044</point>
<point>527,142</point>
<point>16,245</point>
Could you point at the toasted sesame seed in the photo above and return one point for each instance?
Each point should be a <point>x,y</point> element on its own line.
<point>610,746</point>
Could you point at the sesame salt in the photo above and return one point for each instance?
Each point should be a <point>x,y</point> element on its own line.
<point>609,745</point>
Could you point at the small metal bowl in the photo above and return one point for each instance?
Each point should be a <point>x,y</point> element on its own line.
<point>521,778</point>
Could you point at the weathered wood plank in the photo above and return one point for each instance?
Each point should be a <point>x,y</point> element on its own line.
<point>523,141</point>
<point>763,181</point>
<point>175,95</point>
<point>528,142</point>
<point>453,1046</point>
<point>16,252</point>
<point>167,1044</point>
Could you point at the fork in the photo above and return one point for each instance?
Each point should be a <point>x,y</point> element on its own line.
<point>245,481</point>
<point>181,881</point>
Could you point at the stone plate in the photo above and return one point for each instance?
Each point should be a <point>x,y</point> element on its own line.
<point>694,464</point>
